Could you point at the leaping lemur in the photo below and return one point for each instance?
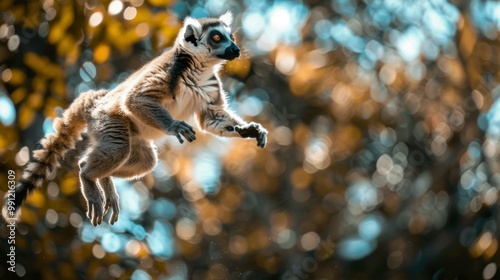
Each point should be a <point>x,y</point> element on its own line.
<point>122,123</point>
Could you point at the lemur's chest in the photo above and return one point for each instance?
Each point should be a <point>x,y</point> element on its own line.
<point>201,85</point>
<point>192,94</point>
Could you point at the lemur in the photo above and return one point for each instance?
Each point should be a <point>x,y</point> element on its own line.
<point>122,123</point>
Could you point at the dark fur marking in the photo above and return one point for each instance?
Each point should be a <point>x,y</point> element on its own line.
<point>163,80</point>
<point>134,130</point>
<point>23,188</point>
<point>189,35</point>
<point>37,177</point>
<point>152,91</point>
<point>192,40</point>
<point>116,138</point>
<point>214,118</point>
<point>58,146</point>
<point>34,160</point>
<point>207,25</point>
<point>182,62</point>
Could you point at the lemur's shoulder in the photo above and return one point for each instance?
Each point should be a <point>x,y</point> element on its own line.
<point>149,68</point>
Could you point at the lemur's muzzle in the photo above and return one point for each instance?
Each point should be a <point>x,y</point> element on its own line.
<point>230,52</point>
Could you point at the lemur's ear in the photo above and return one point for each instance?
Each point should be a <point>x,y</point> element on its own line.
<point>227,18</point>
<point>192,30</point>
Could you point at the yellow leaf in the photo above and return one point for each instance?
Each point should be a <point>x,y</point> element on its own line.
<point>143,15</point>
<point>66,15</point>
<point>73,55</point>
<point>56,33</point>
<point>39,84</point>
<point>169,33</point>
<point>101,53</point>
<point>159,18</point>
<point>34,21</point>
<point>40,64</point>
<point>5,5</point>
<point>8,136</point>
<point>468,36</point>
<point>18,95</point>
<point>67,271</point>
<point>18,12</point>
<point>50,105</point>
<point>3,142</point>
<point>53,71</point>
<point>300,179</point>
<point>57,87</point>
<point>65,45</point>
<point>239,67</point>
<point>159,2</point>
<point>29,216</point>
<point>26,115</point>
<point>36,199</point>
<point>131,36</point>
<point>69,185</point>
<point>31,60</point>
<point>143,251</point>
<point>35,100</point>
<point>114,30</point>
<point>18,77</point>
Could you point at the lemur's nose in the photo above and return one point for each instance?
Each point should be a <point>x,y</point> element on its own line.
<point>236,50</point>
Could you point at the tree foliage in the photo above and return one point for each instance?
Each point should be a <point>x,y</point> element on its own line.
<point>382,157</point>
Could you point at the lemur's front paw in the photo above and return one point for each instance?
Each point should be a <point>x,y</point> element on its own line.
<point>95,209</point>
<point>253,130</point>
<point>112,202</point>
<point>179,128</point>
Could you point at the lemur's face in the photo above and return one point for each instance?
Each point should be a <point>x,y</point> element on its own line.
<point>220,41</point>
<point>209,38</point>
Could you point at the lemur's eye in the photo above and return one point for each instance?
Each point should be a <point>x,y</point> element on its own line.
<point>216,38</point>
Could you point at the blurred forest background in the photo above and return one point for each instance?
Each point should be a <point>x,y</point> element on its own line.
<point>382,161</point>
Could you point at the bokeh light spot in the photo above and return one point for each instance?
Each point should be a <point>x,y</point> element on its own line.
<point>95,19</point>
<point>355,248</point>
<point>115,7</point>
<point>8,115</point>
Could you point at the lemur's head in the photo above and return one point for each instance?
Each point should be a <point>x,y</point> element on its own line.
<point>209,38</point>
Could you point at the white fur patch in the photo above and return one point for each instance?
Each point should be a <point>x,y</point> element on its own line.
<point>195,24</point>
<point>196,51</point>
<point>227,18</point>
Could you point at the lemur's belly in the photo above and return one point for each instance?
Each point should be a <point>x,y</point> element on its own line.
<point>148,132</point>
<point>187,102</point>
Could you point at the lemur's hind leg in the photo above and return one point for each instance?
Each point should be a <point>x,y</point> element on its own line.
<point>92,195</point>
<point>111,150</point>
<point>143,158</point>
<point>111,197</point>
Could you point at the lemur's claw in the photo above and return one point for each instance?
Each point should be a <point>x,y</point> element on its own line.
<point>262,140</point>
<point>95,213</point>
<point>180,128</point>
<point>253,130</point>
<point>112,203</point>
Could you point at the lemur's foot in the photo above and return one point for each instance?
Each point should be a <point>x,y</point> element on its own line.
<point>95,209</point>
<point>253,130</point>
<point>179,128</point>
<point>112,202</point>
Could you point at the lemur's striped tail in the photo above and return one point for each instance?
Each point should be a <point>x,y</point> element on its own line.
<point>48,159</point>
